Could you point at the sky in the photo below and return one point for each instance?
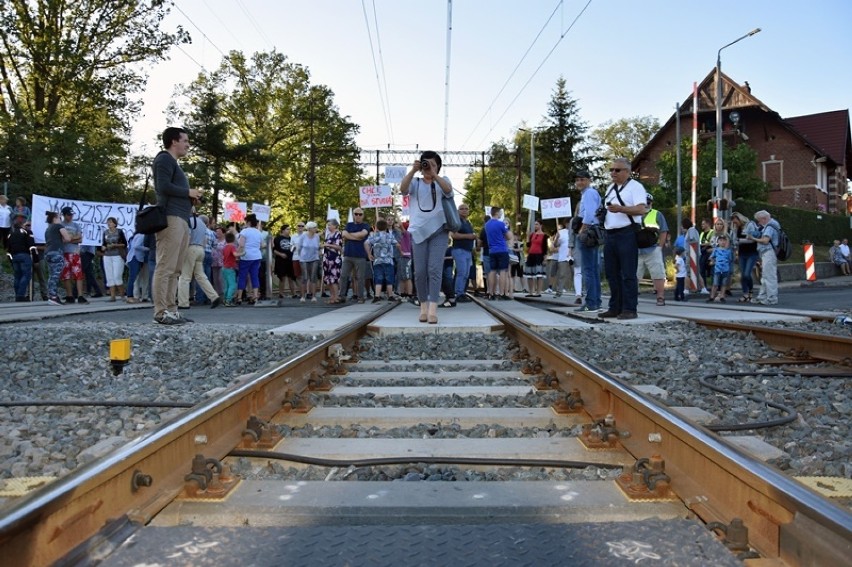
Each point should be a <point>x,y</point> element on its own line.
<point>619,58</point>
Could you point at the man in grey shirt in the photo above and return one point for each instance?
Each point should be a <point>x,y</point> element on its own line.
<point>173,193</point>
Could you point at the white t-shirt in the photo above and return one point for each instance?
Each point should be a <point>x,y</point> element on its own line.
<point>5,216</point>
<point>564,240</point>
<point>252,238</point>
<point>295,244</point>
<point>680,267</point>
<point>632,193</point>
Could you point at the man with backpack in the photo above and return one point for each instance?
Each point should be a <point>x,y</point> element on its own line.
<point>768,238</point>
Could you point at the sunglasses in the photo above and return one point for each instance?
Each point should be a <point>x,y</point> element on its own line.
<point>616,169</point>
<point>358,214</point>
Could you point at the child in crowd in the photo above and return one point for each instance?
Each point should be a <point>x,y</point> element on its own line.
<point>680,273</point>
<point>722,258</point>
<point>229,268</point>
<point>380,245</point>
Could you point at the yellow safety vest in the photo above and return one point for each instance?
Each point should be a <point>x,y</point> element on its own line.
<point>647,220</point>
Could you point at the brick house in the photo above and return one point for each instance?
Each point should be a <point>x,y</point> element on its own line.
<point>806,160</point>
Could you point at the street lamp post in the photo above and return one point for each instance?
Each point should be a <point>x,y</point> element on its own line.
<point>719,166</point>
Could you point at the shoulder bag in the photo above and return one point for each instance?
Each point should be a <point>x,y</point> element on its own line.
<point>452,220</point>
<point>150,219</point>
<point>646,236</point>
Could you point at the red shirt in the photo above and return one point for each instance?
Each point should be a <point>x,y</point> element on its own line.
<point>536,243</point>
<point>229,258</point>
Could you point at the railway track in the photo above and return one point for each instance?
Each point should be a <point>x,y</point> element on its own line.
<point>677,476</point>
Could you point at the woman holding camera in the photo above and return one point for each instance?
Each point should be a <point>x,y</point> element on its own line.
<point>428,233</point>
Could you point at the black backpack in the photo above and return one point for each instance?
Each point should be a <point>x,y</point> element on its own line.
<point>785,248</point>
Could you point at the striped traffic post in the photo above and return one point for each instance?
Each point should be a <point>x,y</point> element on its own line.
<point>692,250</point>
<point>810,268</point>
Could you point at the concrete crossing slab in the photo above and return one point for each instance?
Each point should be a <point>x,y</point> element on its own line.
<point>463,318</point>
<point>276,503</point>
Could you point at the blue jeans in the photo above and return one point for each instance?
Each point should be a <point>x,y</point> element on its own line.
<point>747,262</point>
<point>590,260</point>
<point>621,255</point>
<point>134,265</point>
<point>463,260</point>
<point>22,269</point>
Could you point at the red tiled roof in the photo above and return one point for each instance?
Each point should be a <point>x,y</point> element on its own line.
<point>828,131</point>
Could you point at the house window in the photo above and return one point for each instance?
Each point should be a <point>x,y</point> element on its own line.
<point>773,174</point>
<point>822,177</point>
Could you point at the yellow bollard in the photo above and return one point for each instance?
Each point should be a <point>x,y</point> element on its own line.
<point>119,355</point>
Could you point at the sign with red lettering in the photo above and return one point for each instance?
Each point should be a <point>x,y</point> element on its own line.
<point>235,211</point>
<point>556,208</point>
<point>374,196</point>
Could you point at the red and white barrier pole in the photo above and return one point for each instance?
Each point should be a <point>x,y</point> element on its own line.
<point>692,260</point>
<point>810,267</point>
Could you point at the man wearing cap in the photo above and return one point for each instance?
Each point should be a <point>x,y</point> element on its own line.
<point>590,200</point>
<point>173,193</point>
<point>73,270</point>
<point>652,256</point>
<point>626,203</point>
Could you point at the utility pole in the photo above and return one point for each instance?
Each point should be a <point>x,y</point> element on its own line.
<point>313,173</point>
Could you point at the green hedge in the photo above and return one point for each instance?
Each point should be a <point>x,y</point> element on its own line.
<point>800,225</point>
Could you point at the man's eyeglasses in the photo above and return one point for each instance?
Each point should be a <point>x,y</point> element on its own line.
<point>358,214</point>
<point>301,226</point>
<point>616,169</point>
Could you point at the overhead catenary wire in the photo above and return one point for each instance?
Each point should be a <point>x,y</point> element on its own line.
<point>512,74</point>
<point>384,75</point>
<point>376,69</point>
<point>537,69</point>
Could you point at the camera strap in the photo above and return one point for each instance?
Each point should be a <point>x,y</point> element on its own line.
<point>434,198</point>
<point>621,201</point>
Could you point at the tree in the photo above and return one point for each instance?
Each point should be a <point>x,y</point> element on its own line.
<point>624,137</point>
<point>740,161</point>
<point>68,71</point>
<point>561,148</point>
<point>285,143</point>
<point>498,186</point>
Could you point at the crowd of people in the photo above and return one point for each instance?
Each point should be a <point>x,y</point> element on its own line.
<point>419,260</point>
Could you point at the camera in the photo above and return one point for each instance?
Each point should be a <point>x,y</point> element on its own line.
<point>424,164</point>
<point>570,261</point>
<point>600,214</point>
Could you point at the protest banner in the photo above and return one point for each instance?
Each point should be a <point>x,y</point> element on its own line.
<point>394,173</point>
<point>91,215</point>
<point>374,196</point>
<point>235,211</point>
<point>262,212</point>
<point>530,203</point>
<point>556,208</point>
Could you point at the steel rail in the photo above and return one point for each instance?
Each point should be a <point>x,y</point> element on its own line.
<point>50,522</point>
<point>830,348</point>
<point>715,479</point>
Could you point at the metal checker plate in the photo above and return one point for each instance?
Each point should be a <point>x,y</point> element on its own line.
<point>652,542</point>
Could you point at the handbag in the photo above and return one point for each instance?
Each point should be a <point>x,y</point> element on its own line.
<point>451,214</point>
<point>592,236</point>
<point>150,219</point>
